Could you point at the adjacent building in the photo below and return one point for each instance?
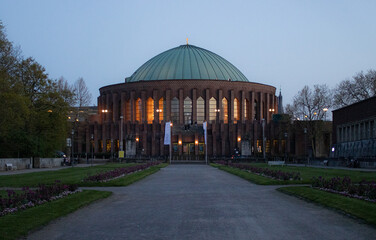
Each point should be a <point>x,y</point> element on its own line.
<point>354,130</point>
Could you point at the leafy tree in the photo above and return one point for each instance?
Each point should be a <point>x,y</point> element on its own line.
<point>34,108</point>
<point>360,87</point>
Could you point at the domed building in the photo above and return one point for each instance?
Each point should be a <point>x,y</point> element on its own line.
<point>186,85</point>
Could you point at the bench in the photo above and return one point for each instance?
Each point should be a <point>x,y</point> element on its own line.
<point>9,166</point>
<point>276,163</point>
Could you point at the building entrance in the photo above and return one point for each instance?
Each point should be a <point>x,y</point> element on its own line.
<point>188,152</point>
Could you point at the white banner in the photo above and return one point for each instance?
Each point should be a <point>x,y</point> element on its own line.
<point>204,125</point>
<point>167,135</point>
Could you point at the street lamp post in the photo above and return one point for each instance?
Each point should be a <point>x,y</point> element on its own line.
<point>171,141</point>
<point>92,149</point>
<point>305,143</point>
<point>121,134</point>
<point>72,160</point>
<point>263,139</point>
<point>286,135</point>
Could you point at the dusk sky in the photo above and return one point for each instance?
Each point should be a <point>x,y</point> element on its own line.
<point>287,44</point>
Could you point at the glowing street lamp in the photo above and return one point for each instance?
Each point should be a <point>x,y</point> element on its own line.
<point>325,110</point>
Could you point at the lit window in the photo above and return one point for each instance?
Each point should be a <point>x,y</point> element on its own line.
<point>138,109</point>
<point>175,110</point>
<point>224,110</point>
<point>212,107</point>
<point>200,110</point>
<point>245,106</point>
<point>236,110</point>
<point>150,110</point>
<point>162,108</point>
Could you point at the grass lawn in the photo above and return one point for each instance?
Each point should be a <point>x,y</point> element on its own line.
<point>68,176</point>
<point>358,208</point>
<point>306,173</point>
<point>16,225</point>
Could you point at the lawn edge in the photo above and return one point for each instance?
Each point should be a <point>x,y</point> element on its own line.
<point>101,195</point>
<point>327,206</point>
<point>265,181</point>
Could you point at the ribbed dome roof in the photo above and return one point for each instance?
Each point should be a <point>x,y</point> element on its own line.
<point>187,62</point>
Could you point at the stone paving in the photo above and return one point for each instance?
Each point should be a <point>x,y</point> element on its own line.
<point>202,202</point>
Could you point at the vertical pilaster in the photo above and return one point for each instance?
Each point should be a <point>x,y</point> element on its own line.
<point>156,106</point>
<point>231,104</point>
<point>268,113</point>
<point>194,105</point>
<point>168,105</point>
<point>181,106</point>
<point>220,115</point>
<point>243,110</point>
<point>252,107</point>
<point>133,110</point>
<point>207,98</point>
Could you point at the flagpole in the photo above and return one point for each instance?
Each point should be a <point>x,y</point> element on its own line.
<point>170,142</point>
<point>205,126</point>
<point>206,154</point>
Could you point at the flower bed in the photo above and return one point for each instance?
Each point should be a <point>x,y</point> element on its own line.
<point>118,172</point>
<point>30,198</point>
<point>344,186</point>
<point>275,174</point>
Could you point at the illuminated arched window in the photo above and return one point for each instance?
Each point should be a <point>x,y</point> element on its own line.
<point>127,116</point>
<point>200,110</point>
<point>175,110</point>
<point>138,109</point>
<point>162,109</point>
<point>224,110</point>
<point>236,110</point>
<point>212,108</point>
<point>150,110</point>
<point>245,106</point>
<point>187,110</point>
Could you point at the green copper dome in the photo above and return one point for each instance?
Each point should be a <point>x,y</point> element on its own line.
<point>187,62</point>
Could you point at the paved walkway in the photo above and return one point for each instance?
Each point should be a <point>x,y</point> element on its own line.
<point>202,202</point>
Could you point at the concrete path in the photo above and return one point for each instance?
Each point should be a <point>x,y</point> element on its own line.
<point>202,202</point>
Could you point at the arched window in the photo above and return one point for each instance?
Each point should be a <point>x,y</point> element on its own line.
<point>150,110</point>
<point>212,109</point>
<point>245,106</point>
<point>127,111</point>
<point>236,110</point>
<point>175,110</point>
<point>138,109</point>
<point>224,110</point>
<point>200,110</point>
<point>187,111</point>
<point>162,109</point>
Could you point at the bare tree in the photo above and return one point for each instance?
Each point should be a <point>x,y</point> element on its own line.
<point>309,106</point>
<point>82,93</point>
<point>360,87</point>
<point>66,91</point>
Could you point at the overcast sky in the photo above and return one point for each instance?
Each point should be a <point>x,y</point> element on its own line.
<point>287,44</point>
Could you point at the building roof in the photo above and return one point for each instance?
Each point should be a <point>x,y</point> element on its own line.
<point>187,62</point>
